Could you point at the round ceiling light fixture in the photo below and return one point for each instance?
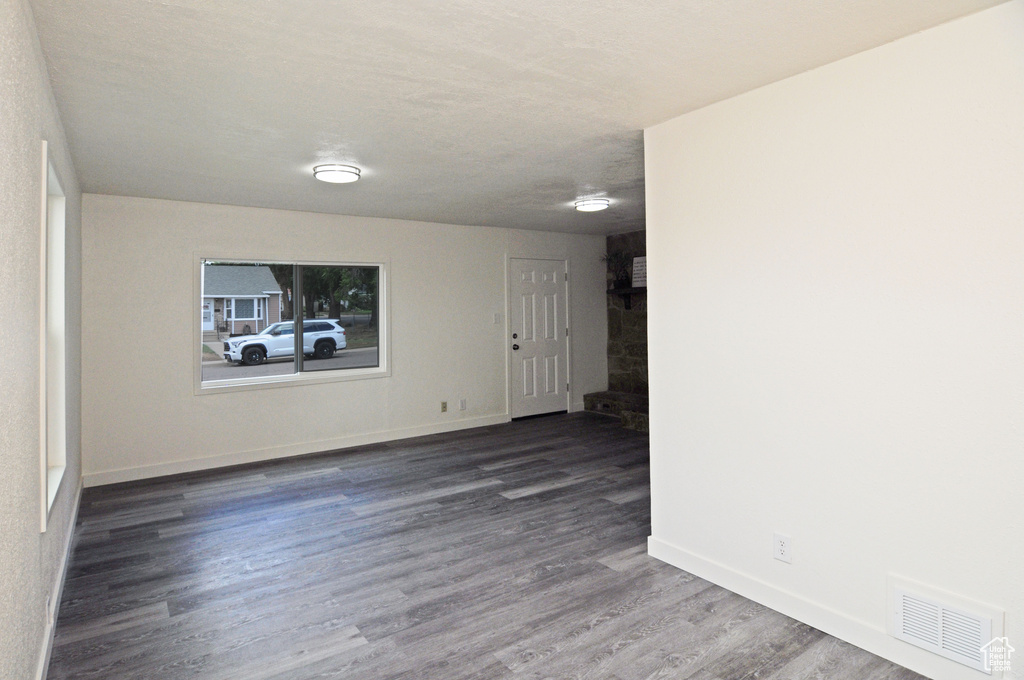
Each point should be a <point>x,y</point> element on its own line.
<point>592,204</point>
<point>336,174</point>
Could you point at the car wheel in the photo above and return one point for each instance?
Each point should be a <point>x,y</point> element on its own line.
<point>253,356</point>
<point>324,350</point>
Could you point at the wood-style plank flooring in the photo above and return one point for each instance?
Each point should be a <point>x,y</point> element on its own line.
<point>513,551</point>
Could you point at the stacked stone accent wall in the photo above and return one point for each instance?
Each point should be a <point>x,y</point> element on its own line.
<point>627,328</point>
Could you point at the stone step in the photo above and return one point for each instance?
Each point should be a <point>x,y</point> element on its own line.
<point>615,402</point>
<point>629,407</point>
<point>634,420</point>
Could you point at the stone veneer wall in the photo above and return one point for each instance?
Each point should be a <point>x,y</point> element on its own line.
<point>627,328</point>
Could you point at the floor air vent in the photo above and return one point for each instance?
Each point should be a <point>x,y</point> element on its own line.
<point>939,628</point>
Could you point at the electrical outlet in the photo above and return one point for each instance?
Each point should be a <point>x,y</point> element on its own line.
<point>444,407</point>
<point>462,404</point>
<point>783,548</point>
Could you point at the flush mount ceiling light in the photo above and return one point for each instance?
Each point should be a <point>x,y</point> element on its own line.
<point>592,204</point>
<point>336,174</point>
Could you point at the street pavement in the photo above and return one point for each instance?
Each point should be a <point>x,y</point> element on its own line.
<point>219,369</point>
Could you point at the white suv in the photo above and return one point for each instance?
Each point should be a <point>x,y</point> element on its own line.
<point>320,339</point>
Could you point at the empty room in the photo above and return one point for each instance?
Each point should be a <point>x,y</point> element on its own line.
<point>619,340</point>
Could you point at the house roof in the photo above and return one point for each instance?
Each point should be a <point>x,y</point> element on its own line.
<point>231,280</point>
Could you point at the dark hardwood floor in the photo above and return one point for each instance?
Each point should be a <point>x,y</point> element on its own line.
<point>514,551</point>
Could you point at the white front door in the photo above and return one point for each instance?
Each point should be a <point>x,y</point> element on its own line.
<point>538,328</point>
<point>207,314</point>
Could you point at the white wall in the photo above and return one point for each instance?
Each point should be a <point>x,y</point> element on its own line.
<point>141,416</point>
<point>31,564</point>
<point>836,318</point>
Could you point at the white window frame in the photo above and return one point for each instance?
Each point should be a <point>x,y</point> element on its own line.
<point>52,339</point>
<point>382,370</point>
<point>257,309</point>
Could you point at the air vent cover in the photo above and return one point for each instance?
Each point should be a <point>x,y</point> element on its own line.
<point>942,629</point>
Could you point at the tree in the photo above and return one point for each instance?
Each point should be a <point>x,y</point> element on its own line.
<point>368,291</point>
<point>335,287</point>
<point>341,288</point>
<point>283,275</point>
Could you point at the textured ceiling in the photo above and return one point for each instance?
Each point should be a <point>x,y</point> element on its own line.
<point>466,112</point>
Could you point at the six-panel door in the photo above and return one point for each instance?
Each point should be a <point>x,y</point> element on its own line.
<point>538,325</point>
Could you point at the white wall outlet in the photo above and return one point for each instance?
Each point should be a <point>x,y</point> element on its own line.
<point>783,548</point>
<point>444,407</point>
<point>462,404</point>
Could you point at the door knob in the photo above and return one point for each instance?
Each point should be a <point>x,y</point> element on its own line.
<point>515,335</point>
<point>515,347</point>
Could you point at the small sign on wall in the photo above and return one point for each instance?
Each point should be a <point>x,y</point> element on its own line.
<point>640,272</point>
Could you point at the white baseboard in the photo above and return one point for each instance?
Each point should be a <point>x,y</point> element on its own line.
<point>855,631</point>
<point>286,451</point>
<point>58,587</point>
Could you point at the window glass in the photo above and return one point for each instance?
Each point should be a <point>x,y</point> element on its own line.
<point>347,298</point>
<point>245,309</point>
<point>254,336</point>
<point>53,331</point>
